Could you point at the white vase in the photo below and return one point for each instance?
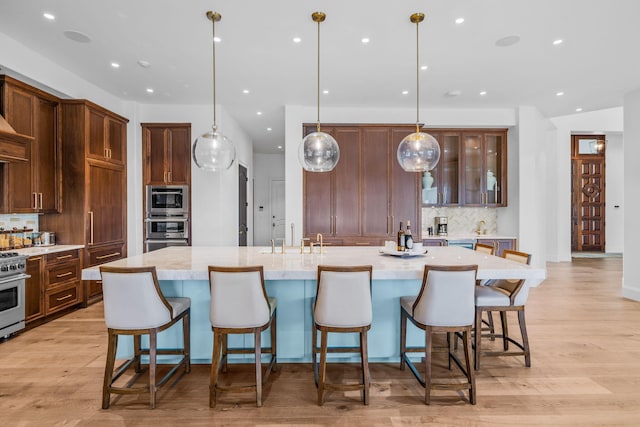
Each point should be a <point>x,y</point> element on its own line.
<point>491,181</point>
<point>427,180</point>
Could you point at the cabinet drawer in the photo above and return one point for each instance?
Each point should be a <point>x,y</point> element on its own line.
<point>105,254</point>
<point>63,256</point>
<point>60,274</point>
<point>61,298</point>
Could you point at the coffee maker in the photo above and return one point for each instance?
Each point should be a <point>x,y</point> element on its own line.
<point>441,225</point>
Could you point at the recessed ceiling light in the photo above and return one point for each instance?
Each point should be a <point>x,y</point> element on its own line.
<point>557,42</point>
<point>49,16</point>
<point>245,91</point>
<point>259,113</point>
<point>459,20</point>
<point>217,39</point>
<point>149,90</point>
<point>424,67</point>
<point>297,39</point>
<point>269,129</point>
<point>365,40</point>
<point>326,92</point>
<point>115,65</point>
<point>405,92</point>
<point>77,36</point>
<point>279,147</point>
<point>144,64</point>
<point>453,93</point>
<point>507,41</point>
<point>578,109</point>
<point>483,93</point>
<point>559,93</point>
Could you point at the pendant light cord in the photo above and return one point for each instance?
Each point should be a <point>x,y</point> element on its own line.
<point>417,79</point>
<point>213,21</point>
<point>318,93</point>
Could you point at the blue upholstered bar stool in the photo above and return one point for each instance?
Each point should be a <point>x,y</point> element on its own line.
<point>134,305</point>
<point>342,305</point>
<point>240,305</point>
<point>445,304</point>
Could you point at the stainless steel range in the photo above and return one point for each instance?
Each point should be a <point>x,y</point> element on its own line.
<point>12,292</point>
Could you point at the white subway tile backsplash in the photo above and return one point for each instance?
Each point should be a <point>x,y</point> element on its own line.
<point>461,220</point>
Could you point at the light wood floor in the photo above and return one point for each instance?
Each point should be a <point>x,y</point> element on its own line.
<point>585,342</point>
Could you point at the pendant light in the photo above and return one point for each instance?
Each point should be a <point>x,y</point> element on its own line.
<point>212,150</point>
<point>318,151</point>
<point>419,151</point>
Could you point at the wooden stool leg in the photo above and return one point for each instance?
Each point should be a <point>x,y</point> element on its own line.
<point>274,340</point>
<point>492,329</point>
<point>137,351</point>
<point>365,367</point>
<point>427,364</point>
<point>314,353</point>
<point>225,352</point>
<point>215,367</point>
<point>505,330</point>
<point>258,351</point>
<point>470,371</point>
<point>477,336</point>
<point>153,342</point>
<point>186,341</point>
<point>323,365</point>
<point>525,338</point>
<point>403,337</point>
<point>112,345</point>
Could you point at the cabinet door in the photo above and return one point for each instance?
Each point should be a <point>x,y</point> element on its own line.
<point>155,148</point>
<point>473,178</point>
<point>179,155</point>
<point>441,186</point>
<point>45,156</point>
<point>318,216</point>
<point>106,194</point>
<point>115,142</point>
<point>495,159</point>
<point>376,218</point>
<point>96,143</point>
<point>346,185</point>
<point>34,289</point>
<point>405,189</point>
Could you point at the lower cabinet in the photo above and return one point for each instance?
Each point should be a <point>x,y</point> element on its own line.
<point>54,284</point>
<point>434,242</point>
<point>499,245</point>
<point>97,255</point>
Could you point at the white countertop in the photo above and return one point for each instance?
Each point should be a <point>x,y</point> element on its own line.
<point>190,263</point>
<point>43,250</point>
<point>468,236</point>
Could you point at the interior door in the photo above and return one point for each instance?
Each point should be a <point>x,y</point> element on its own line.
<point>588,193</point>
<point>276,201</point>
<point>242,206</point>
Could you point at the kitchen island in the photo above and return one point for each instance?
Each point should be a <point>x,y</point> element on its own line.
<point>291,278</point>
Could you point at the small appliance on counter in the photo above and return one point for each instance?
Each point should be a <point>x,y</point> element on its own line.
<point>43,238</point>
<point>441,225</point>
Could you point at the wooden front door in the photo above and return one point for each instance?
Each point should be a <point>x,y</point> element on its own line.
<point>588,193</point>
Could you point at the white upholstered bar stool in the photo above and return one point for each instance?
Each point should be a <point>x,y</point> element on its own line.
<point>342,305</point>
<point>134,305</point>
<point>445,304</point>
<point>504,296</point>
<point>240,305</point>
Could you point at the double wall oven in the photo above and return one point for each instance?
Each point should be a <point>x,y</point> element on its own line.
<point>166,217</point>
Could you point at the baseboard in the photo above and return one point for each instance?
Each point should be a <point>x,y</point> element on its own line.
<point>631,293</point>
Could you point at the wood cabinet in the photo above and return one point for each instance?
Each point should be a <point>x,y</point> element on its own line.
<point>363,200</point>
<point>34,289</point>
<point>166,153</point>
<point>100,255</point>
<point>499,245</point>
<point>32,186</point>
<point>95,184</point>
<point>472,170</point>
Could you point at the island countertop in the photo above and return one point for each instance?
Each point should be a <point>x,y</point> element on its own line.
<point>191,262</point>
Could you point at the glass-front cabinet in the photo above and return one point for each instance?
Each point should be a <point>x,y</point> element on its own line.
<point>471,171</point>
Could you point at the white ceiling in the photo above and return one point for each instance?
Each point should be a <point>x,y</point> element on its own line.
<point>596,64</point>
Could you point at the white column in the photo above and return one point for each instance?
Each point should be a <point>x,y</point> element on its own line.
<point>631,267</point>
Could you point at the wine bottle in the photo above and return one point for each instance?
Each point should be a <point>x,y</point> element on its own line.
<point>408,238</point>
<point>401,239</point>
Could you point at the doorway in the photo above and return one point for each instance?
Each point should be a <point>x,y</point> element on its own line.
<point>242,206</point>
<point>277,204</point>
<point>588,193</point>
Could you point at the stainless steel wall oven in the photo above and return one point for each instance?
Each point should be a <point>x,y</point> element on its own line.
<point>167,216</point>
<point>167,200</point>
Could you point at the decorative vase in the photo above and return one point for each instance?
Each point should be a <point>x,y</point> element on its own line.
<point>491,181</point>
<point>427,180</point>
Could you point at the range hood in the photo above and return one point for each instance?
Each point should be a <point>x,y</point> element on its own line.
<point>13,146</point>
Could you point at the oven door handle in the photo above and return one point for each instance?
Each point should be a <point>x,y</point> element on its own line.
<point>167,219</point>
<point>14,278</point>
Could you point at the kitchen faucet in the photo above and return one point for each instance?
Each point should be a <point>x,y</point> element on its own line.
<point>293,231</point>
<point>319,237</point>
<point>480,228</point>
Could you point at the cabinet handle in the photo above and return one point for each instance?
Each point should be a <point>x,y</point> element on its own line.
<point>164,177</point>
<point>335,224</point>
<point>101,257</point>
<point>68,273</point>
<point>170,177</point>
<point>40,197</point>
<point>35,201</point>
<point>106,153</point>
<point>64,297</point>
<point>90,227</point>
<point>362,244</point>
<point>64,256</point>
<point>109,152</point>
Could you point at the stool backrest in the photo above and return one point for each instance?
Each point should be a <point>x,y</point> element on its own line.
<point>238,297</point>
<point>447,296</point>
<point>343,296</point>
<point>133,299</point>
<point>516,288</point>
<point>485,249</point>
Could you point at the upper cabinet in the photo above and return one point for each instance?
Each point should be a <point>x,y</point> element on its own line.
<point>107,135</point>
<point>166,153</point>
<point>32,186</point>
<point>472,170</point>
<point>363,200</point>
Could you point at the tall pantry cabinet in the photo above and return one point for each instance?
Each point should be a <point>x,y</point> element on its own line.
<point>94,186</point>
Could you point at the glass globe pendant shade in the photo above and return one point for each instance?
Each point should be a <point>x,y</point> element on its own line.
<point>213,151</point>
<point>318,152</point>
<point>418,152</point>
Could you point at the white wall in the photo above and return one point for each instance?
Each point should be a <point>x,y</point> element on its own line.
<point>631,267</point>
<point>267,167</point>
<point>603,121</point>
<point>614,185</point>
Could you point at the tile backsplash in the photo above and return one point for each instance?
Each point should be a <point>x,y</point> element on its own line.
<point>8,222</point>
<point>461,220</point>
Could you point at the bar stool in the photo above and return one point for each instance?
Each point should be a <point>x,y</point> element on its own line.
<point>503,296</point>
<point>134,305</point>
<point>239,305</point>
<point>489,250</point>
<point>342,305</point>
<point>445,304</point>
